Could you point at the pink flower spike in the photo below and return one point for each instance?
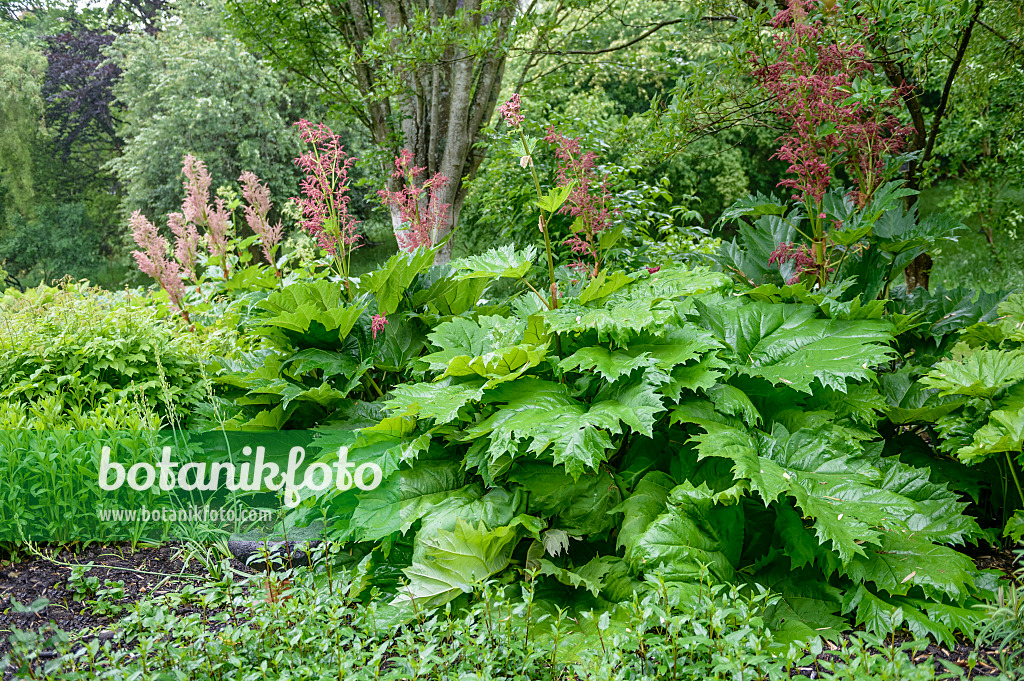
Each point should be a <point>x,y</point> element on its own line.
<point>152,260</point>
<point>197,191</point>
<point>258,197</point>
<point>325,201</point>
<point>377,324</point>
<point>510,111</point>
<point>420,206</point>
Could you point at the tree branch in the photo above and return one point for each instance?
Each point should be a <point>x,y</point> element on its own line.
<point>637,39</point>
<point>950,77</point>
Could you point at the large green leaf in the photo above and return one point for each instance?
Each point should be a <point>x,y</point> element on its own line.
<point>456,562</point>
<point>983,373</point>
<point>643,304</point>
<point>401,343</point>
<point>451,295</point>
<point>753,205</point>
<point>851,503</point>
<point>611,364</point>
<point>897,230</point>
<point>504,261</point>
<point>904,560</point>
<point>1004,431</point>
<point>602,285</point>
<point>635,402</point>
<point>589,576</point>
<point>309,314</point>
<point>428,484</point>
<point>694,531</point>
<point>807,606</point>
<point>389,282</point>
<point>544,414</point>
<point>646,503</point>
<point>747,256</point>
<point>786,344</point>
<point>495,347</point>
<point>439,401</point>
<point>582,507</point>
<point>673,345</point>
<point>945,311</point>
<point>910,401</point>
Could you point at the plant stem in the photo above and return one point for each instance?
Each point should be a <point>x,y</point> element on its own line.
<point>1016,480</point>
<point>543,222</point>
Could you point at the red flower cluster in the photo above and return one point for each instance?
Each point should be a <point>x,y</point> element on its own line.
<point>588,201</point>
<point>510,112</point>
<point>377,324</point>
<point>800,256</point>
<point>326,190</point>
<point>422,214</point>
<point>811,84</point>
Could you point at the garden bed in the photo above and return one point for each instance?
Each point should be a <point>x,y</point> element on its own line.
<point>168,570</point>
<point>144,571</point>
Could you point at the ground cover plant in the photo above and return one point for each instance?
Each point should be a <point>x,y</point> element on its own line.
<point>313,624</point>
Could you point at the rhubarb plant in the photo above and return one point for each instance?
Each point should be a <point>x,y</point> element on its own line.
<point>678,435</point>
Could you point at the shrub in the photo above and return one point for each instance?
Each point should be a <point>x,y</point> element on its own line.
<point>90,346</point>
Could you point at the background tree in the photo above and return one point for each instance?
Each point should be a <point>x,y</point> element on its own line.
<point>190,89</point>
<point>918,48</point>
<point>424,77</point>
<point>21,108</point>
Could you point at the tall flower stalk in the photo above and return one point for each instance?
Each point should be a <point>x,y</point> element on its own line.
<point>419,206</point>
<point>325,201</point>
<point>511,112</point>
<point>152,260</point>
<point>216,219</point>
<point>587,201</point>
<point>812,83</point>
<point>258,197</point>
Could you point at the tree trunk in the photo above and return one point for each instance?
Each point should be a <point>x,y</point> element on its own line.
<point>917,273</point>
<point>444,104</point>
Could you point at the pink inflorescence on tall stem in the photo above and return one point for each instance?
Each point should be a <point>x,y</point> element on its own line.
<point>810,83</point>
<point>325,200</point>
<point>218,232</point>
<point>152,260</point>
<point>800,256</point>
<point>197,191</point>
<point>186,243</point>
<point>258,197</point>
<point>510,111</point>
<point>420,207</point>
<point>588,202</point>
<point>197,210</point>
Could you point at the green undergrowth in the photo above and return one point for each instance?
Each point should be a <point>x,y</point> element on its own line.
<point>90,349</point>
<point>320,625</point>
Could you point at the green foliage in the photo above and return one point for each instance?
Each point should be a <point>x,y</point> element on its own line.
<point>685,434</point>
<point>308,623</point>
<point>314,356</point>
<point>84,347</point>
<point>61,240</point>
<point>21,118</point>
<point>192,89</point>
<point>867,250</point>
<point>972,395</point>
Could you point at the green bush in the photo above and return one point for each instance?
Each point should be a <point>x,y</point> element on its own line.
<point>89,346</point>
